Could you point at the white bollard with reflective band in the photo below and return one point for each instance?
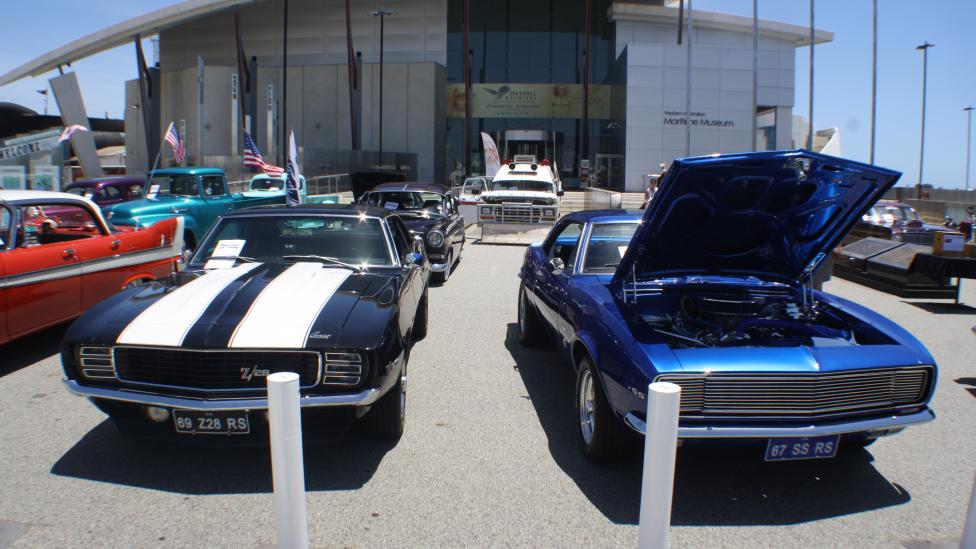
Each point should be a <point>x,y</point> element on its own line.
<point>969,529</point>
<point>287,462</point>
<point>660,446</point>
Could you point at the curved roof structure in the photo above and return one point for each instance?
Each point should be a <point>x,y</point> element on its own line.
<point>118,34</point>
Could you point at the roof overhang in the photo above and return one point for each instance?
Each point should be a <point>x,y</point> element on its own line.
<point>798,35</point>
<point>118,34</point>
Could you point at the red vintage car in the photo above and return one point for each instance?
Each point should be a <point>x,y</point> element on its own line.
<point>58,257</point>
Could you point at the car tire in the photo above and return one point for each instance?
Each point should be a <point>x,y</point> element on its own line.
<point>601,436</point>
<point>530,326</point>
<point>387,417</point>
<point>443,276</point>
<point>420,320</point>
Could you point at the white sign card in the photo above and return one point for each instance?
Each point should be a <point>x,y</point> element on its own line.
<point>622,250</point>
<point>225,254</point>
<point>392,206</point>
<point>153,189</point>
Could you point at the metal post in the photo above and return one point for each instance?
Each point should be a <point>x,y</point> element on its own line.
<point>810,129</point>
<point>969,137</point>
<point>353,82</point>
<point>921,152</point>
<point>284,87</point>
<point>382,15</point>
<point>688,87</point>
<point>467,91</point>
<point>287,461</point>
<point>660,447</point>
<point>587,17</point>
<point>755,73</point>
<point>874,73</point>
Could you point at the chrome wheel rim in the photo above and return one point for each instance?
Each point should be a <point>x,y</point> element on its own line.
<point>586,407</point>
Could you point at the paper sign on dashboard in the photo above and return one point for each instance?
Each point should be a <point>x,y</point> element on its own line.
<point>225,254</point>
<point>392,206</point>
<point>153,190</point>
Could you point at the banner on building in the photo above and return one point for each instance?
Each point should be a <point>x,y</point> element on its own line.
<point>529,101</point>
<point>492,162</point>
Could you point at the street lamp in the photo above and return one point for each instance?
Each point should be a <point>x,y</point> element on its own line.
<point>925,74</point>
<point>382,15</point>
<point>969,136</point>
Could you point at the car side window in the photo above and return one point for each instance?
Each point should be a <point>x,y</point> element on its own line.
<point>42,224</point>
<point>565,244</point>
<point>5,218</point>
<point>213,185</point>
<point>108,193</point>
<point>401,237</point>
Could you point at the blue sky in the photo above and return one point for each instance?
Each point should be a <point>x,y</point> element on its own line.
<point>843,70</point>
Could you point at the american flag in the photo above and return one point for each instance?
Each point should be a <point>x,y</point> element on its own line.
<point>252,157</point>
<point>173,138</point>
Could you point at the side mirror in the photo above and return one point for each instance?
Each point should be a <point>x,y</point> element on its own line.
<point>556,264</point>
<point>414,259</point>
<point>560,192</point>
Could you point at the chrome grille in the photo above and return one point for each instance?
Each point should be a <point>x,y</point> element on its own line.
<point>798,395</point>
<point>517,213</point>
<point>342,369</point>
<point>97,362</point>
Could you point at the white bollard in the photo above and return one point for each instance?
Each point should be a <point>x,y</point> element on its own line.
<point>660,446</point>
<point>287,462</point>
<point>969,529</point>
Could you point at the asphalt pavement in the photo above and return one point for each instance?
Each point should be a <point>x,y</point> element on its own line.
<point>488,459</point>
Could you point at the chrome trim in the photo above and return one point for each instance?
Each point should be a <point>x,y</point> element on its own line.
<point>365,397</point>
<point>888,423</point>
<point>439,267</point>
<point>352,359</point>
<point>109,356</point>
<point>318,378</point>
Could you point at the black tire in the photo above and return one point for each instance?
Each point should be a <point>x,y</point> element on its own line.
<point>443,276</point>
<point>530,326</point>
<point>189,246</point>
<point>420,320</point>
<point>386,417</point>
<point>600,434</point>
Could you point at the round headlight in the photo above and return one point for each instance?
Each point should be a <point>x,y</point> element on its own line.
<point>435,238</point>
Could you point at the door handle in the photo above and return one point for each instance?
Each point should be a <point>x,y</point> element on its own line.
<point>68,253</point>
<point>115,244</point>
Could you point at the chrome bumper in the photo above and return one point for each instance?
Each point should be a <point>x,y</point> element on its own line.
<point>439,267</point>
<point>877,427</point>
<point>362,398</point>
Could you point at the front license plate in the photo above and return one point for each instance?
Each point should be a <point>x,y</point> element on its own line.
<point>781,449</point>
<point>211,423</point>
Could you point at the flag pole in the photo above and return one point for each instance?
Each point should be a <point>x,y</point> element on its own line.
<point>159,153</point>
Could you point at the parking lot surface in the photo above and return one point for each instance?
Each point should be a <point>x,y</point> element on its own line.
<point>488,459</point>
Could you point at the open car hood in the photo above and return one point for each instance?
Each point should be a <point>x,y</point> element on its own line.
<point>765,214</point>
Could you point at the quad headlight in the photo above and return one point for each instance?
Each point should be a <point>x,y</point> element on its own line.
<point>435,238</point>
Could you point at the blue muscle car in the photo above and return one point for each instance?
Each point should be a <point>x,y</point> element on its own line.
<point>336,294</point>
<point>711,289</point>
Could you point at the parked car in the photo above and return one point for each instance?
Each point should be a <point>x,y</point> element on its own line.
<point>59,257</point>
<point>893,220</point>
<point>200,195</point>
<point>336,294</point>
<point>713,292</point>
<point>431,213</point>
<point>106,191</point>
<point>469,196</point>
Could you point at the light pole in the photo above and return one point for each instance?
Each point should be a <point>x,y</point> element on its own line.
<point>382,15</point>
<point>969,136</point>
<point>925,74</point>
<point>874,72</point>
<point>812,37</point>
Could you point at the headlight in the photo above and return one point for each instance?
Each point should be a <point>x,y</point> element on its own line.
<point>435,238</point>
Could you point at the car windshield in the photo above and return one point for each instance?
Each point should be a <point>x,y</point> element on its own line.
<point>901,213</point>
<point>405,201</point>
<point>80,191</point>
<point>606,246</point>
<point>271,239</point>
<point>522,185</point>
<point>175,184</point>
<point>267,184</point>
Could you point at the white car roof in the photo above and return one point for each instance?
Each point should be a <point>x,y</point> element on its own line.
<point>18,195</point>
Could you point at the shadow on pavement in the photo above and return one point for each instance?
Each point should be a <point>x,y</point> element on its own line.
<point>714,485</point>
<point>938,308</point>
<point>971,381</point>
<point>21,353</point>
<point>105,455</point>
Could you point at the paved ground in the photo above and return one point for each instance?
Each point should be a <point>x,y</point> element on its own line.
<point>488,458</point>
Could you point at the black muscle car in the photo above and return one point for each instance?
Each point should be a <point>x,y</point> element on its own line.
<point>336,294</point>
<point>431,213</point>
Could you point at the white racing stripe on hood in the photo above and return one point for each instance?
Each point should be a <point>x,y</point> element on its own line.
<point>283,314</point>
<point>167,321</point>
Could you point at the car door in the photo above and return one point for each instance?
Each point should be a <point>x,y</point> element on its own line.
<point>553,277</point>
<point>42,277</point>
<point>95,250</point>
<point>413,283</point>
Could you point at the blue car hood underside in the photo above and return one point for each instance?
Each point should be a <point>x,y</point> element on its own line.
<point>767,214</point>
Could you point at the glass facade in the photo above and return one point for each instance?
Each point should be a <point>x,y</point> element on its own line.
<point>515,47</point>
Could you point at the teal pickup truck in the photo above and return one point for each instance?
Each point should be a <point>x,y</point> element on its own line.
<point>198,194</point>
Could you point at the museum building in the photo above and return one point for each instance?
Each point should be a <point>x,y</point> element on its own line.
<point>529,75</point>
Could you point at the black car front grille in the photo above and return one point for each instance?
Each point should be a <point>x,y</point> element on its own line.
<point>213,370</point>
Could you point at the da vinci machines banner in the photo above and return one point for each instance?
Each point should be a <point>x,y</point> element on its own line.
<point>528,101</point>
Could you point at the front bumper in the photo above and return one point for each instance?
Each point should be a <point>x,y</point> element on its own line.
<point>439,267</point>
<point>365,397</point>
<point>870,428</point>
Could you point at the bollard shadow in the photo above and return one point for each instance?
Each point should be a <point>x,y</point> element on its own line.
<point>105,455</point>
<point>21,353</point>
<point>970,381</point>
<point>714,485</point>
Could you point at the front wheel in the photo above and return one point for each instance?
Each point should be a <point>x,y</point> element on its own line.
<point>442,276</point>
<point>388,415</point>
<point>601,436</point>
<point>420,321</point>
<point>530,327</point>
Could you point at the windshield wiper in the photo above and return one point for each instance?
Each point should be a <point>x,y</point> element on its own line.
<point>325,259</point>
